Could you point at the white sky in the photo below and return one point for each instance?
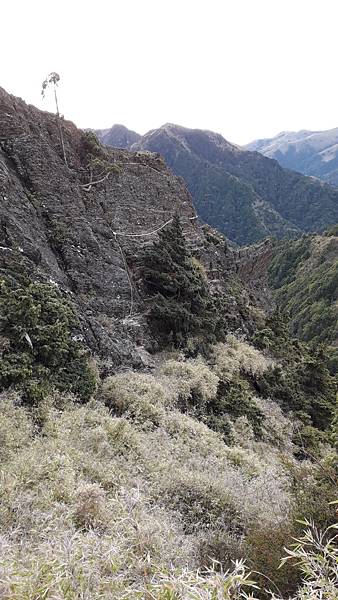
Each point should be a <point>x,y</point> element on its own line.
<point>245,68</point>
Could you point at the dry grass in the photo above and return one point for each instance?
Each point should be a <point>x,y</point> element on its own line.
<point>128,500</point>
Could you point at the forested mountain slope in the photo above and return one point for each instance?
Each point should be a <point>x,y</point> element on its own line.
<point>243,194</point>
<point>304,274</point>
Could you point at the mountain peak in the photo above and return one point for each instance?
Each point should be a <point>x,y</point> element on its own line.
<point>313,153</point>
<point>118,136</point>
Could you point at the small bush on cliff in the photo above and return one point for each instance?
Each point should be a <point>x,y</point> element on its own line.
<point>180,301</point>
<point>236,356</point>
<point>193,381</point>
<point>41,352</point>
<point>236,400</point>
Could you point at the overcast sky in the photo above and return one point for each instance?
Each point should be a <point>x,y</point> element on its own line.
<point>245,68</point>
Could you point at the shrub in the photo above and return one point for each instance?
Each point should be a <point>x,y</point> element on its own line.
<point>314,488</point>
<point>236,356</point>
<point>136,395</point>
<point>264,547</point>
<point>193,381</point>
<point>308,441</point>
<point>233,584</point>
<point>276,428</point>
<point>92,430</point>
<point>42,351</point>
<point>219,548</point>
<point>316,555</point>
<point>202,502</point>
<point>92,142</point>
<point>245,460</point>
<point>274,336</point>
<point>193,438</point>
<point>235,399</point>
<point>89,509</point>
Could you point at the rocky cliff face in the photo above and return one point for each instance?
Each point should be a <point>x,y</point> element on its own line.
<point>83,225</point>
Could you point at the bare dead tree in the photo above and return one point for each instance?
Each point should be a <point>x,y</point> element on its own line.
<point>52,80</point>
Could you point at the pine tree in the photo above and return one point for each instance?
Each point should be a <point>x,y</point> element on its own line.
<point>180,302</point>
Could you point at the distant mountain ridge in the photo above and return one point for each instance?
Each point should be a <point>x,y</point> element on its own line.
<point>118,136</point>
<point>312,153</point>
<point>243,194</point>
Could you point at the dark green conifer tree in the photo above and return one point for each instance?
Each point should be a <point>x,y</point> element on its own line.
<point>180,301</point>
<point>38,348</point>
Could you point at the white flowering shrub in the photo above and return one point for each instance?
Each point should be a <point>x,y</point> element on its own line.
<point>277,429</point>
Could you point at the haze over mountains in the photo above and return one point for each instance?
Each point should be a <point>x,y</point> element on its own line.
<point>242,193</point>
<point>309,152</point>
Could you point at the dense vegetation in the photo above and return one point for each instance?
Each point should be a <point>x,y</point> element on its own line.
<point>39,347</point>
<point>207,459</point>
<point>113,499</point>
<point>304,274</point>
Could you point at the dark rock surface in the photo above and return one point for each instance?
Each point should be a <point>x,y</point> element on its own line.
<point>86,238</point>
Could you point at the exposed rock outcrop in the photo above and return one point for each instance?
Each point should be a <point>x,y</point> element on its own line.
<point>82,226</point>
